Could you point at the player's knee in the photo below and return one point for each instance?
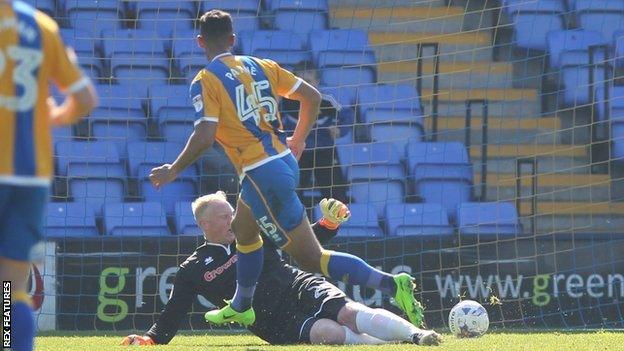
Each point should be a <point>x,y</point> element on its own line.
<point>347,315</point>
<point>326,331</point>
<point>308,261</point>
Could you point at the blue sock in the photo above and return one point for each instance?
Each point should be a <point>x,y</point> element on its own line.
<point>248,269</point>
<point>353,270</point>
<point>22,327</point>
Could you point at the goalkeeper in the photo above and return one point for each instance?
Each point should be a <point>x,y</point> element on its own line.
<point>293,306</point>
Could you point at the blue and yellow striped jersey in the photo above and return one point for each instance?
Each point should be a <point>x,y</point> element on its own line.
<point>240,94</point>
<point>31,56</point>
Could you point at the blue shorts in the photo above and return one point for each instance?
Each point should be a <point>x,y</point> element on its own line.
<point>21,220</point>
<point>269,190</point>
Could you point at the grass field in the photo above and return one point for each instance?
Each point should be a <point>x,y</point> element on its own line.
<point>505,341</point>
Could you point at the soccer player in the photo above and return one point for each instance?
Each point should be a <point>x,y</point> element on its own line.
<point>293,306</point>
<point>235,99</point>
<point>32,55</point>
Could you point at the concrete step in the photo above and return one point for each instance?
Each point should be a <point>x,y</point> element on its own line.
<point>399,19</point>
<point>554,187</point>
<point>468,46</point>
<point>452,75</point>
<point>505,130</point>
<point>516,103</point>
<point>377,3</point>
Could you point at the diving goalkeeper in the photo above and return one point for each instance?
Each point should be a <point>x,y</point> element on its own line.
<point>292,306</point>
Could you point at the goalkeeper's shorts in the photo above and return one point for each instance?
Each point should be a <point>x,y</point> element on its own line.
<point>270,191</point>
<point>22,215</point>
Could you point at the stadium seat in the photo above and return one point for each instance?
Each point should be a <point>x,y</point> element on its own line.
<point>363,221</point>
<point>346,96</point>
<point>378,193</point>
<point>303,22</point>
<point>233,7</point>
<point>62,134</point>
<point>297,5</point>
<point>92,153</point>
<point>442,173</point>
<point>184,221</point>
<point>171,108</point>
<point>617,137</point>
<point>358,160</point>
<point>347,76</point>
<point>166,17</point>
<point>91,17</point>
<point>70,219</point>
<point>571,40</point>
<point>135,219</point>
<point>602,16</point>
<point>95,184</point>
<point>141,69</point>
<point>339,40</point>
<point>47,6</point>
<point>496,218</point>
<point>82,45</point>
<point>615,103</point>
<point>417,219</point>
<point>120,116</point>
<point>532,20</point>
<point>137,43</point>
<point>575,76</point>
<point>143,156</point>
<point>618,43</point>
<point>284,47</point>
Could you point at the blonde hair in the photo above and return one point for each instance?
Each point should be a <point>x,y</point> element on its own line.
<point>201,203</point>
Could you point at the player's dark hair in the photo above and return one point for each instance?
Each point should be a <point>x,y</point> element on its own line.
<point>215,26</point>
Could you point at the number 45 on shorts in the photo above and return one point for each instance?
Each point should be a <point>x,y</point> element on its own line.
<point>270,230</point>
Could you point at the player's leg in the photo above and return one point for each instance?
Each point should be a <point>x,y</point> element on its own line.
<point>248,269</point>
<point>21,227</point>
<point>384,325</point>
<point>327,331</point>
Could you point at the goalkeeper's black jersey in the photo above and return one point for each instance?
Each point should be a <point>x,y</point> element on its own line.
<point>211,272</point>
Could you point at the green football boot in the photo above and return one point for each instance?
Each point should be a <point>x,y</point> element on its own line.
<point>405,299</point>
<point>228,315</point>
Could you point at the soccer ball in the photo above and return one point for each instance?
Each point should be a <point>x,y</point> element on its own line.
<point>468,319</point>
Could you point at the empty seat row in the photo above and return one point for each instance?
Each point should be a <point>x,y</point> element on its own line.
<point>75,219</point>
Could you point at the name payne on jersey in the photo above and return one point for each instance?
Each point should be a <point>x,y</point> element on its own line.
<point>22,28</point>
<point>237,70</point>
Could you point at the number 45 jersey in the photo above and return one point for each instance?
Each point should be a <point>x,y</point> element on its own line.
<point>240,93</point>
<point>32,55</point>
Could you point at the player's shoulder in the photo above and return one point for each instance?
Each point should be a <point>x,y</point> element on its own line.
<point>46,23</point>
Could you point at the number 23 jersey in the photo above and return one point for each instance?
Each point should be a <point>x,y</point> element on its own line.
<point>240,94</point>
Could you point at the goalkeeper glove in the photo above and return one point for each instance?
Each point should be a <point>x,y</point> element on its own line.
<point>137,340</point>
<point>334,213</point>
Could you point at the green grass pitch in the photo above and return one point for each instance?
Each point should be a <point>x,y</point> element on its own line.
<point>504,341</point>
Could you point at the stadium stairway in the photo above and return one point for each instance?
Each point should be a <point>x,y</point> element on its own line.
<point>569,197</point>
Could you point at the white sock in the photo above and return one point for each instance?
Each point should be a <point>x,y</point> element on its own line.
<point>352,338</point>
<point>384,325</point>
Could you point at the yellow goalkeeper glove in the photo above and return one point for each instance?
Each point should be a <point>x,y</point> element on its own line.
<point>137,340</point>
<point>334,213</point>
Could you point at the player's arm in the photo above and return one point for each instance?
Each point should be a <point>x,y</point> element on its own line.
<point>167,325</point>
<point>309,103</point>
<point>334,213</point>
<point>81,97</point>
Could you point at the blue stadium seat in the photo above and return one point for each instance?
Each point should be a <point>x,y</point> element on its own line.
<point>120,116</point>
<point>70,219</point>
<point>141,69</point>
<point>297,5</point>
<point>363,221</point>
<point>82,45</point>
<point>362,159</point>
<point>618,43</point>
<point>378,193</point>
<point>326,59</point>
<point>234,7</point>
<point>488,218</point>
<point>171,107</point>
<point>571,40</point>
<point>575,76</point>
<point>135,219</point>
<point>303,22</point>
<point>47,6</point>
<point>615,103</point>
<point>85,152</point>
<point>532,20</point>
<point>138,43</point>
<point>143,156</point>
<point>442,173</point>
<point>95,184</point>
<point>417,219</point>
<point>94,16</point>
<point>339,40</point>
<point>62,134</point>
<point>347,76</point>
<point>184,221</point>
<point>244,22</point>
<point>389,97</point>
<point>617,137</point>
<point>346,96</point>
<point>603,16</point>
<point>166,17</point>
<point>284,47</point>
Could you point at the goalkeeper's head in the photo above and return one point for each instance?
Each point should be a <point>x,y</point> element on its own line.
<point>216,32</point>
<point>213,215</point>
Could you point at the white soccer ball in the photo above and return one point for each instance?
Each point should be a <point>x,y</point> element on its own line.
<point>468,319</point>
